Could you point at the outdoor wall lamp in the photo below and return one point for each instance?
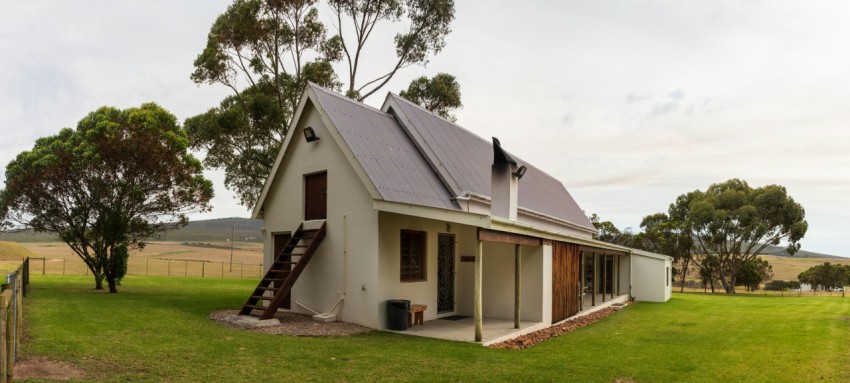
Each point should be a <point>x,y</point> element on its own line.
<point>310,134</point>
<point>520,172</point>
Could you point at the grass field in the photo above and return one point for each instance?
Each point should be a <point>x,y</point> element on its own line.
<point>156,330</point>
<point>787,268</point>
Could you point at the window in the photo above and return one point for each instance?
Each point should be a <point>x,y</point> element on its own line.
<point>668,276</point>
<point>412,255</point>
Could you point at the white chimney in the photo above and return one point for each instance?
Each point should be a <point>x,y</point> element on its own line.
<point>503,183</point>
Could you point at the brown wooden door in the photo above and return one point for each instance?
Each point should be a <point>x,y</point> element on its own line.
<point>280,241</point>
<point>565,280</point>
<point>316,196</point>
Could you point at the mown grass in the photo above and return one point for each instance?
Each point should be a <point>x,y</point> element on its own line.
<point>156,330</point>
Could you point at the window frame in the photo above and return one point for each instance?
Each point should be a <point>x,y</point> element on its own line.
<point>405,256</point>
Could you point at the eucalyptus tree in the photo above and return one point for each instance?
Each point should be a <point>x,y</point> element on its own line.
<point>670,236</point>
<point>266,51</point>
<point>439,94</point>
<point>735,222</point>
<point>105,187</point>
<point>428,24</point>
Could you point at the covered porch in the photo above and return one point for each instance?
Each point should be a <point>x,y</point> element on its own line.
<point>493,330</point>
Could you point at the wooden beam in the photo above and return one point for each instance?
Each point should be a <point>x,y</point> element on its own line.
<point>600,250</point>
<point>476,304</point>
<point>517,283</point>
<point>505,237</point>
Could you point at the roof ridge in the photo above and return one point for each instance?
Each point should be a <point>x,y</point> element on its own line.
<point>489,142</point>
<point>347,99</point>
<point>415,105</point>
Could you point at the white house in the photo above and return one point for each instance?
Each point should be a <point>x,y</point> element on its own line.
<point>398,203</point>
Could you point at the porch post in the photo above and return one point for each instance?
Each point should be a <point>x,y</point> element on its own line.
<point>617,273</point>
<point>517,283</point>
<point>581,266</point>
<point>604,276</point>
<point>476,305</point>
<point>595,275</point>
<point>613,276</point>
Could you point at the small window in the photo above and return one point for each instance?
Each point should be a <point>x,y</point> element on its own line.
<point>412,255</point>
<point>668,276</point>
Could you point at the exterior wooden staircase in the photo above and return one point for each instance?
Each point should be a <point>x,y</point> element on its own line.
<point>284,271</point>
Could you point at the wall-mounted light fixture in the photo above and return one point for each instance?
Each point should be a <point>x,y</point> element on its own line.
<point>310,134</point>
<point>520,172</point>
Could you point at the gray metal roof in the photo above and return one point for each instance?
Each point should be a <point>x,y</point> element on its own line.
<point>402,173</point>
<point>391,160</point>
<point>468,159</point>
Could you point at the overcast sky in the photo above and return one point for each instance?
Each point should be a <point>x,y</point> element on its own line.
<point>628,103</point>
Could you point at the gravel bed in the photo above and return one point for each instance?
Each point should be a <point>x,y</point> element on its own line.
<point>290,324</point>
<point>533,338</point>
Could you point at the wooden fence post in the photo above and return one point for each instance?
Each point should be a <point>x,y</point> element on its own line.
<point>19,313</point>
<point>203,266</point>
<point>5,311</point>
<point>5,300</point>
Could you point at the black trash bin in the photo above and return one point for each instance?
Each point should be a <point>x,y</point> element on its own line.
<point>397,311</point>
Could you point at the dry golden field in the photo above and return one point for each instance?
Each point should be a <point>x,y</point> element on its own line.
<point>160,258</point>
<point>787,268</point>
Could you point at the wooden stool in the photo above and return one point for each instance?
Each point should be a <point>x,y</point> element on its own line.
<point>416,314</point>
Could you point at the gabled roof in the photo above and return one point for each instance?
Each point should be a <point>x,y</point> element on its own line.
<point>467,158</point>
<point>415,157</point>
<point>394,165</point>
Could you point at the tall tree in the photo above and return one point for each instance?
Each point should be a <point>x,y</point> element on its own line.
<point>826,276</point>
<point>736,222</point>
<point>664,235</point>
<point>606,231</point>
<point>266,52</point>
<point>120,177</point>
<point>428,25</point>
<point>754,273</point>
<point>439,94</point>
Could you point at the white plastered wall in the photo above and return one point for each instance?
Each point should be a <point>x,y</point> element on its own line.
<point>420,292</point>
<point>498,279</point>
<point>650,281</point>
<point>352,226</point>
<point>498,285</point>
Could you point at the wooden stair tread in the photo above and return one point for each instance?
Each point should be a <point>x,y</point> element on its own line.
<point>284,279</point>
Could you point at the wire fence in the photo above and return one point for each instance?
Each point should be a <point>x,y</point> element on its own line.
<point>840,293</point>
<point>153,267</point>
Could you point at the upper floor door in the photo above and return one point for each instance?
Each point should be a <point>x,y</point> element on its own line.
<point>316,196</point>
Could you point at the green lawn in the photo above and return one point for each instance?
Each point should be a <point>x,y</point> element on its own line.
<point>156,329</point>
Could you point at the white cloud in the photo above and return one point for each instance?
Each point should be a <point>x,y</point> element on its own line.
<point>713,90</point>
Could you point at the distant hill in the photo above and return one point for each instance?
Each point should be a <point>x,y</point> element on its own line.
<point>780,252</point>
<point>209,230</point>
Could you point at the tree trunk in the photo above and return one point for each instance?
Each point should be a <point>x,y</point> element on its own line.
<point>113,288</point>
<point>685,275</point>
<point>98,281</point>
